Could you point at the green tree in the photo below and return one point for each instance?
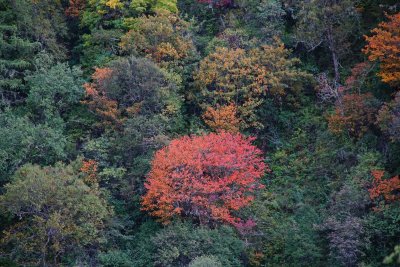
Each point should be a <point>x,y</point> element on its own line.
<point>181,243</point>
<point>205,261</point>
<point>328,23</point>
<point>21,141</point>
<point>54,89</point>
<point>16,53</point>
<point>56,214</point>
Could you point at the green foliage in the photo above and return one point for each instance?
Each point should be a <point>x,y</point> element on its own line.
<point>54,90</point>
<point>331,24</point>
<point>181,243</point>
<point>138,81</point>
<point>393,257</point>
<point>56,212</point>
<point>155,70</point>
<point>16,54</point>
<point>205,261</point>
<point>21,141</point>
<point>115,258</point>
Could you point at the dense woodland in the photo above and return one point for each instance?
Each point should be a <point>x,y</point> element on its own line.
<point>201,133</point>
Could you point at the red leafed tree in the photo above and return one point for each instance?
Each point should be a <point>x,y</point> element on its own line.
<point>75,8</point>
<point>388,188</point>
<point>205,177</point>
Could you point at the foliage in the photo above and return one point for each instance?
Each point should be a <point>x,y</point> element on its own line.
<point>21,142</point>
<point>243,77</point>
<point>392,257</point>
<point>205,261</point>
<point>223,118</point>
<point>266,18</point>
<point>344,227</point>
<point>204,177</point>
<point>329,23</point>
<point>16,52</point>
<point>128,88</point>
<point>386,188</point>
<point>157,96</point>
<point>384,46</point>
<point>165,38</point>
<point>180,244</point>
<point>56,213</point>
<point>53,90</point>
<point>388,118</point>
<point>356,114</point>
<point>217,4</point>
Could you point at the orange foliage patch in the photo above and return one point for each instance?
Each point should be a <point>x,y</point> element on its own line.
<point>222,118</point>
<point>384,46</point>
<point>204,177</point>
<point>89,167</point>
<point>98,102</point>
<point>388,188</point>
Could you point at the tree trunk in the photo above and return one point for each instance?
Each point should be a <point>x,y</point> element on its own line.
<point>335,59</point>
<point>335,66</point>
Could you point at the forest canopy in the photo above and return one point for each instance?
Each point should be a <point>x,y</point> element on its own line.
<point>199,133</point>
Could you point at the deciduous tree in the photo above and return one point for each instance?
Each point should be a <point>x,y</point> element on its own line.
<point>21,141</point>
<point>207,177</point>
<point>244,77</point>
<point>131,87</point>
<point>356,113</point>
<point>56,214</point>
<point>330,23</point>
<point>384,45</point>
<point>388,118</point>
<point>165,38</point>
<point>387,188</point>
<point>222,118</point>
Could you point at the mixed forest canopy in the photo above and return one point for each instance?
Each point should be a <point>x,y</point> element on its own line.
<point>199,133</point>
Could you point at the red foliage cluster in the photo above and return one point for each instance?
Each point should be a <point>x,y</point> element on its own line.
<point>75,8</point>
<point>358,74</point>
<point>204,177</point>
<point>388,188</point>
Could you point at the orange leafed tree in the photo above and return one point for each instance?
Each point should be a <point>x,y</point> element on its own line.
<point>246,77</point>
<point>388,188</point>
<point>384,45</point>
<point>89,167</point>
<point>222,118</point>
<point>205,177</point>
<point>97,100</point>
